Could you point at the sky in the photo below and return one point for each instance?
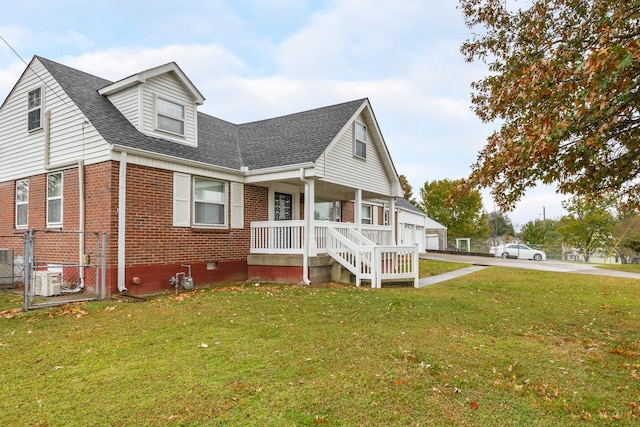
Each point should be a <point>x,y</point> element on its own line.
<point>257,59</point>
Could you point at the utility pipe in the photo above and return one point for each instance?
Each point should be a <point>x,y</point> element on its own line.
<point>122,205</point>
<point>307,228</point>
<point>81,189</point>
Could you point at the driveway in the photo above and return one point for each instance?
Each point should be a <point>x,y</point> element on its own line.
<point>557,266</point>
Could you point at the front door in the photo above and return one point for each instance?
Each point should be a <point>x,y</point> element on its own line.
<point>283,207</point>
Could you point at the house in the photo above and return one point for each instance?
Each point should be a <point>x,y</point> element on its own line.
<point>297,198</point>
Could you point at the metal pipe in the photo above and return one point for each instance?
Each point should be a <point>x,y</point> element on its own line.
<point>122,206</point>
<point>307,227</point>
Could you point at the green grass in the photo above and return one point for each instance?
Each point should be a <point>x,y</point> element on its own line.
<point>497,347</point>
<point>10,299</point>
<point>629,268</point>
<point>433,267</point>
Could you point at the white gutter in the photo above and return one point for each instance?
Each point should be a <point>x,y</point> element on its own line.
<point>169,158</point>
<point>81,190</point>
<point>122,205</point>
<point>307,227</point>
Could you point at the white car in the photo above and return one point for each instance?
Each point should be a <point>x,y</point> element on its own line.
<point>518,250</point>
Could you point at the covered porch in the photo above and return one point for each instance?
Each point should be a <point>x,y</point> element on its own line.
<point>323,224</point>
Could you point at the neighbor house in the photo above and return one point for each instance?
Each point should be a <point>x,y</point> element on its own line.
<point>291,198</point>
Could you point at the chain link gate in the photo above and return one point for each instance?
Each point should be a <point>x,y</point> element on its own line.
<point>63,267</point>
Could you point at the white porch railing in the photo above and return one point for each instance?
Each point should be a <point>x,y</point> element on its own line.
<point>277,237</point>
<point>359,260</point>
<point>287,237</point>
<point>368,254</point>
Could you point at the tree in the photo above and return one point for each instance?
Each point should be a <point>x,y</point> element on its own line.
<point>500,224</point>
<point>564,83</point>
<point>587,226</point>
<point>462,214</point>
<point>540,232</point>
<point>627,234</point>
<point>407,190</point>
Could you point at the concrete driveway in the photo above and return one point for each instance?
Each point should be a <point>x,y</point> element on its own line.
<point>481,261</point>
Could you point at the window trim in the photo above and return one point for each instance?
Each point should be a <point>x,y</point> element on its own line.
<point>20,203</point>
<point>367,218</point>
<point>357,141</point>
<point>52,198</point>
<point>170,116</point>
<point>38,108</point>
<point>224,203</point>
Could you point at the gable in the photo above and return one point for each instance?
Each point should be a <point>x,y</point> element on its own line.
<point>22,150</point>
<point>139,101</point>
<point>342,164</point>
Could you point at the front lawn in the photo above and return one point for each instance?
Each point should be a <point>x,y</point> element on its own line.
<point>497,347</point>
<point>629,268</point>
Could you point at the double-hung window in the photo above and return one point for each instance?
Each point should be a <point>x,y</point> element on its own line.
<point>22,203</point>
<point>360,144</point>
<point>34,109</point>
<point>170,116</point>
<point>366,214</point>
<point>209,202</point>
<point>54,199</point>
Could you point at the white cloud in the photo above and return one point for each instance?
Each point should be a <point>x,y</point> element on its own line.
<point>254,60</point>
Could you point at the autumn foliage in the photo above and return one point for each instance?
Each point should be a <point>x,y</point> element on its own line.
<point>563,85</point>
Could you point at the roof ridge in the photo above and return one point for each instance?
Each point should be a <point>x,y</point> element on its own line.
<point>311,110</point>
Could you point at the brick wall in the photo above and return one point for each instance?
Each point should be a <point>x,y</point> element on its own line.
<point>155,249</point>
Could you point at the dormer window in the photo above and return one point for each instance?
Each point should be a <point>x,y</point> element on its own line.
<point>34,108</point>
<point>360,145</point>
<point>170,116</point>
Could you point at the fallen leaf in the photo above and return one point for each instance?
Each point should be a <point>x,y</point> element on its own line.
<point>474,405</point>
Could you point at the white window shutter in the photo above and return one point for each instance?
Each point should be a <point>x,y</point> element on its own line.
<point>181,200</point>
<point>237,205</point>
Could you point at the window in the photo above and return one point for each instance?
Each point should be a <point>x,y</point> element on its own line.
<point>366,214</point>
<point>209,202</point>
<point>22,203</point>
<point>170,116</point>
<point>34,108</point>
<point>360,149</point>
<point>54,199</point>
<point>327,210</point>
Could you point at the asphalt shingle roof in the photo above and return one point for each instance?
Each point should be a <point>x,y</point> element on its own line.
<point>287,140</point>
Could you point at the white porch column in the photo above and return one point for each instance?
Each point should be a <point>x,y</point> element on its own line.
<point>309,216</point>
<point>392,220</point>
<point>358,209</point>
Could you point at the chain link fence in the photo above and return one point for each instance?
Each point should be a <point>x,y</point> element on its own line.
<point>11,261</point>
<point>63,267</point>
<point>553,252</point>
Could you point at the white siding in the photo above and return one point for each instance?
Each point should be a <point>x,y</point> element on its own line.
<point>22,152</point>
<point>128,102</point>
<point>340,166</point>
<point>168,87</point>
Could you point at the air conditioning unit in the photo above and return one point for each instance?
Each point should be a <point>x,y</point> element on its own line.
<point>47,283</point>
<point>6,266</point>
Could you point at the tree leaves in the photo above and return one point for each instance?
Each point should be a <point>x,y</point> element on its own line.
<point>564,82</point>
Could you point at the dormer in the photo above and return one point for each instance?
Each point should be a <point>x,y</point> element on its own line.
<point>160,102</point>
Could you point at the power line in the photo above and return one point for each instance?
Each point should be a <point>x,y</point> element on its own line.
<point>40,77</point>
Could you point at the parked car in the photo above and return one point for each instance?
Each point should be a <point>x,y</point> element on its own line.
<point>517,250</point>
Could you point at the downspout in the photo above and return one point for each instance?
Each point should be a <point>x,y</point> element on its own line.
<point>307,231</point>
<point>122,204</point>
<point>81,190</point>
